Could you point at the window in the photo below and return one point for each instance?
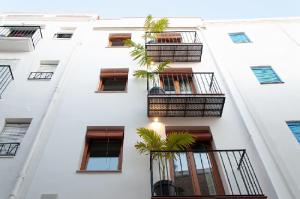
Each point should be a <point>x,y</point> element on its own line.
<point>113,80</point>
<point>11,137</point>
<point>239,37</point>
<point>266,75</point>
<point>45,71</point>
<point>118,39</point>
<point>63,35</point>
<point>295,129</point>
<point>103,150</point>
<point>21,31</point>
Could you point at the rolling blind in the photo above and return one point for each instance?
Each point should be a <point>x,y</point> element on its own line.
<point>295,129</point>
<point>265,74</point>
<point>13,132</point>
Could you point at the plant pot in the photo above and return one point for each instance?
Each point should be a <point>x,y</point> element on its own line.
<point>156,90</point>
<point>164,188</point>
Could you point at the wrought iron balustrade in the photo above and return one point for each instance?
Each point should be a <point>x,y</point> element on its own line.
<point>40,75</point>
<point>8,149</point>
<point>184,95</point>
<point>32,32</point>
<point>176,46</point>
<point>6,76</point>
<point>208,174</point>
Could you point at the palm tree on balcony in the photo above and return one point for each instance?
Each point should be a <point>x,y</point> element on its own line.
<point>152,28</point>
<point>161,150</point>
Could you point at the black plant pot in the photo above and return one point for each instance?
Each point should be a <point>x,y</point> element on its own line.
<point>164,188</point>
<point>156,90</point>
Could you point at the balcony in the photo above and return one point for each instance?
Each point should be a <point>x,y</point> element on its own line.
<point>8,149</point>
<point>203,174</point>
<point>6,77</point>
<point>40,75</point>
<point>175,46</point>
<point>19,38</point>
<point>184,95</point>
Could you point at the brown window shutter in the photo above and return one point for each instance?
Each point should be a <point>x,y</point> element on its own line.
<point>113,36</point>
<point>199,135</point>
<point>117,72</point>
<point>102,134</point>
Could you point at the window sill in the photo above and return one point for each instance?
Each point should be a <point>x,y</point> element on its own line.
<point>97,171</point>
<point>272,83</point>
<point>110,91</point>
<point>7,156</point>
<point>117,47</point>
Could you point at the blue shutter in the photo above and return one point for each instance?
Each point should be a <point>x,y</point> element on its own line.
<point>239,37</point>
<point>266,75</point>
<point>295,128</point>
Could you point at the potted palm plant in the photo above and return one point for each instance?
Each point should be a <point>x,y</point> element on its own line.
<point>160,150</point>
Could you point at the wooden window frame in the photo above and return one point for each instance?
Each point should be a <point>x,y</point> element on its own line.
<point>202,136</point>
<point>111,73</point>
<point>119,36</point>
<point>98,135</point>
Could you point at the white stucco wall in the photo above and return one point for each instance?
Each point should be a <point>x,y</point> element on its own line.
<point>70,104</point>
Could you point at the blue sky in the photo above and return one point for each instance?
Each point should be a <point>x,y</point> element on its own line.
<point>207,9</point>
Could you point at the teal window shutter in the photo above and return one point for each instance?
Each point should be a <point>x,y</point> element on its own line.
<point>266,75</point>
<point>239,37</point>
<point>295,129</point>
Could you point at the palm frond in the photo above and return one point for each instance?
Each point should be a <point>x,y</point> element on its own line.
<point>159,25</point>
<point>162,66</point>
<point>178,141</point>
<point>150,140</point>
<point>142,74</point>
<point>129,43</point>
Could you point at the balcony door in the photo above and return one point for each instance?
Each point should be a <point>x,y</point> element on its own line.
<point>177,83</point>
<point>196,172</point>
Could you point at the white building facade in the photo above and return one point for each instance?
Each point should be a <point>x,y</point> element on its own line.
<point>70,108</point>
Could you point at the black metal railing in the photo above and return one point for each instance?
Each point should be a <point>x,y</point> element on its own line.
<point>40,75</point>
<point>6,76</point>
<point>203,172</point>
<point>9,149</point>
<point>32,32</point>
<point>184,95</point>
<point>172,37</point>
<point>175,46</point>
<point>197,83</point>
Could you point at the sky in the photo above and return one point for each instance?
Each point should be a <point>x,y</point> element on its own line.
<point>206,9</point>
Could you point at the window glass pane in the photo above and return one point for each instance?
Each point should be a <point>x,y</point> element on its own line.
<point>168,83</point>
<point>183,179</point>
<point>265,74</point>
<point>185,86</point>
<point>104,154</point>
<point>239,37</point>
<point>117,42</point>
<point>295,129</point>
<point>114,84</point>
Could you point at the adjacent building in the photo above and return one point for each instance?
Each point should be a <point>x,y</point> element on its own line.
<point>70,108</point>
